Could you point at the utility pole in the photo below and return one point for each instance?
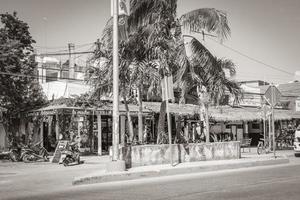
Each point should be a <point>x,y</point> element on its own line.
<point>115,141</point>
<point>273,97</point>
<point>273,123</point>
<point>168,119</point>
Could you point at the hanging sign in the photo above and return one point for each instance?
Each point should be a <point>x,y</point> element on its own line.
<point>124,7</point>
<point>169,86</point>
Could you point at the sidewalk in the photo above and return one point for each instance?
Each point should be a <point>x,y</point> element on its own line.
<point>248,159</point>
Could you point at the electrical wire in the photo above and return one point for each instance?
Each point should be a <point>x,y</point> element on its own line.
<point>253,59</point>
<point>38,76</point>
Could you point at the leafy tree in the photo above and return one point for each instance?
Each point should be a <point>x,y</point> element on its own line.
<point>19,88</point>
<point>192,65</point>
<point>153,36</point>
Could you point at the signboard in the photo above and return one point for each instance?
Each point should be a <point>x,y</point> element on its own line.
<point>170,88</point>
<point>61,146</point>
<point>124,7</point>
<point>272,95</point>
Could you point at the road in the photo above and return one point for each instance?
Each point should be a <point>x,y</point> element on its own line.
<point>268,182</point>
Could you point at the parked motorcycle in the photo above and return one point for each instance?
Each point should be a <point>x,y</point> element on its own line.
<point>12,154</point>
<point>71,156</point>
<point>34,153</point>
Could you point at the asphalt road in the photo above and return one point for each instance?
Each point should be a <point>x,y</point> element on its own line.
<point>269,182</point>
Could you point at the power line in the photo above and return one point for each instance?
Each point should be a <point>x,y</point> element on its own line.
<point>253,59</point>
<point>61,54</point>
<point>38,76</point>
<point>62,47</point>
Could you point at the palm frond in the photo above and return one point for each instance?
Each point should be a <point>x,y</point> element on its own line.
<point>207,19</point>
<point>143,12</point>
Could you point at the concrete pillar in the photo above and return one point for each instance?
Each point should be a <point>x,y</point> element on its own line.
<point>99,135</point>
<point>246,129</point>
<point>56,127</point>
<point>22,128</point>
<point>186,131</point>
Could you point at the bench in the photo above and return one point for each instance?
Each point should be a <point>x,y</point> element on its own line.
<point>246,143</point>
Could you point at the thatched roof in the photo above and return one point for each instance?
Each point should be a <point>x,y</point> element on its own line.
<point>107,107</point>
<point>223,113</point>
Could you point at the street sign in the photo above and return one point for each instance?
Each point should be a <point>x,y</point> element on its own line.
<point>265,111</point>
<point>272,95</point>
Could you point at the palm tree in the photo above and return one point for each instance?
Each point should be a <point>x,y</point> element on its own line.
<point>135,68</point>
<point>216,87</point>
<point>152,33</point>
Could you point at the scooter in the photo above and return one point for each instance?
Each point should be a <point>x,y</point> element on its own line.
<point>71,156</point>
<point>12,154</point>
<point>30,155</point>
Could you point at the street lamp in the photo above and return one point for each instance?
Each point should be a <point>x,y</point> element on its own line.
<point>116,164</point>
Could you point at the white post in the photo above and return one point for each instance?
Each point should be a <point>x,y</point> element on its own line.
<point>273,121</point>
<point>169,120</point>
<point>99,134</point>
<point>115,152</point>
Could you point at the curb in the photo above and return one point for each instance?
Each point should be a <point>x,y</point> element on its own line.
<point>122,176</point>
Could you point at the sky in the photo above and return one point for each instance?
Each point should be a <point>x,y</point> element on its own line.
<point>265,32</point>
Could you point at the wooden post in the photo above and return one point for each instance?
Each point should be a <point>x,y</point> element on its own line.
<point>99,135</point>
<point>42,133</point>
<point>57,127</point>
<point>270,128</point>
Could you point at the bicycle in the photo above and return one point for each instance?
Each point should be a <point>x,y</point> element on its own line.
<point>263,146</point>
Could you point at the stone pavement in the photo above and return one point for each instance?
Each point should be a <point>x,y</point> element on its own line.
<point>248,159</point>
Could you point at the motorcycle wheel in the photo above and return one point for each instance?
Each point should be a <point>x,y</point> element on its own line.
<point>26,158</point>
<point>13,157</point>
<point>66,162</point>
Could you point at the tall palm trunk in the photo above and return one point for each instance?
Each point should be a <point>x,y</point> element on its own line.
<point>203,101</point>
<point>206,123</point>
<point>129,121</point>
<point>161,122</point>
<point>140,114</point>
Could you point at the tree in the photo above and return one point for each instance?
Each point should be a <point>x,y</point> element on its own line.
<point>19,88</point>
<point>137,71</point>
<point>155,35</point>
<point>194,65</point>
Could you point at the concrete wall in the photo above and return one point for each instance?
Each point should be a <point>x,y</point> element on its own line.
<point>142,155</point>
